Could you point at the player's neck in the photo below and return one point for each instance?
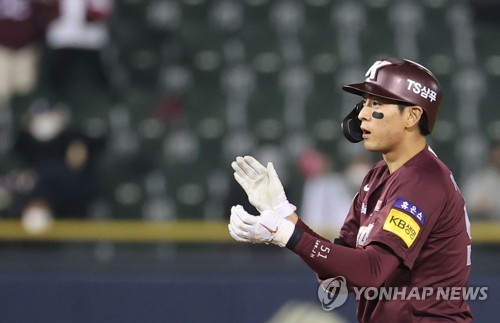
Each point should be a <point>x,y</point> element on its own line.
<point>402,153</point>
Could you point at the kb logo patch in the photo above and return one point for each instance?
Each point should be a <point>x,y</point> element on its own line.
<point>402,225</point>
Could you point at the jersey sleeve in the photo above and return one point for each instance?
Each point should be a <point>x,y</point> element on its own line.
<point>361,267</point>
<point>413,206</point>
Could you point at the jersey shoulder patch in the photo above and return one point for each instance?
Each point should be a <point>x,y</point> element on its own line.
<point>405,220</point>
<point>410,209</point>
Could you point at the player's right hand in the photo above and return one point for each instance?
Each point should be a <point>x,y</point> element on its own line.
<point>269,227</point>
<point>262,185</point>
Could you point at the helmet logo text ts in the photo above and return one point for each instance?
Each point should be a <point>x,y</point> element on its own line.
<point>421,90</point>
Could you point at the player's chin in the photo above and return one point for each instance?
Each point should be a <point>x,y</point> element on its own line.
<point>368,144</point>
<point>372,146</point>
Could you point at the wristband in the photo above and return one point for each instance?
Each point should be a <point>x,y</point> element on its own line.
<point>295,238</point>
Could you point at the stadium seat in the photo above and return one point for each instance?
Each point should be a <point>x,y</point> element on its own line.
<point>209,80</point>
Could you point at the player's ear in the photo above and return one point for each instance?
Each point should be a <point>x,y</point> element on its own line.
<point>413,115</point>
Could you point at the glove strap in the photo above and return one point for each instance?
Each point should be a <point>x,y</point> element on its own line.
<point>285,231</point>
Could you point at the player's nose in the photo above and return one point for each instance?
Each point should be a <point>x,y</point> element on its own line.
<point>363,113</point>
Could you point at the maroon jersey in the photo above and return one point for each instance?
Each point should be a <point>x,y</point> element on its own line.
<point>22,22</point>
<point>419,213</point>
<point>407,231</point>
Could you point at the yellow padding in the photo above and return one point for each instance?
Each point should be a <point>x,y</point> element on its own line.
<point>120,230</point>
<point>171,231</point>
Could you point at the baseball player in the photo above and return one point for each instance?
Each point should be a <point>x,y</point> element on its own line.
<point>407,225</point>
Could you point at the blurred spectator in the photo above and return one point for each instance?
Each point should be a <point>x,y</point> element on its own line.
<point>22,28</point>
<point>326,198</point>
<point>62,161</point>
<point>481,188</point>
<point>75,44</point>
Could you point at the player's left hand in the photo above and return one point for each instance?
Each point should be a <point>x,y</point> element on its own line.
<point>269,227</point>
<point>262,185</point>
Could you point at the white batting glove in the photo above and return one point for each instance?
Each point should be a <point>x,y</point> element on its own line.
<point>269,227</point>
<point>262,185</point>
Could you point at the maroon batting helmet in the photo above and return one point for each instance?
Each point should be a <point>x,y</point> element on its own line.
<point>399,80</point>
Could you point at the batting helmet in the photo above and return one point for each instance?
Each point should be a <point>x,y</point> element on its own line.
<point>399,80</point>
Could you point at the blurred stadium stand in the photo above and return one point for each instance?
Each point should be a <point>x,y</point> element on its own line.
<point>203,81</point>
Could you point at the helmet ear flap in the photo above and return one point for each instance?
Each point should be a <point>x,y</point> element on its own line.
<point>351,125</point>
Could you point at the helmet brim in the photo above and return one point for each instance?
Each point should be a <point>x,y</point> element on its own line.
<point>372,89</point>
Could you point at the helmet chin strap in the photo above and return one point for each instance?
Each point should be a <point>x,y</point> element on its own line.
<point>351,125</point>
